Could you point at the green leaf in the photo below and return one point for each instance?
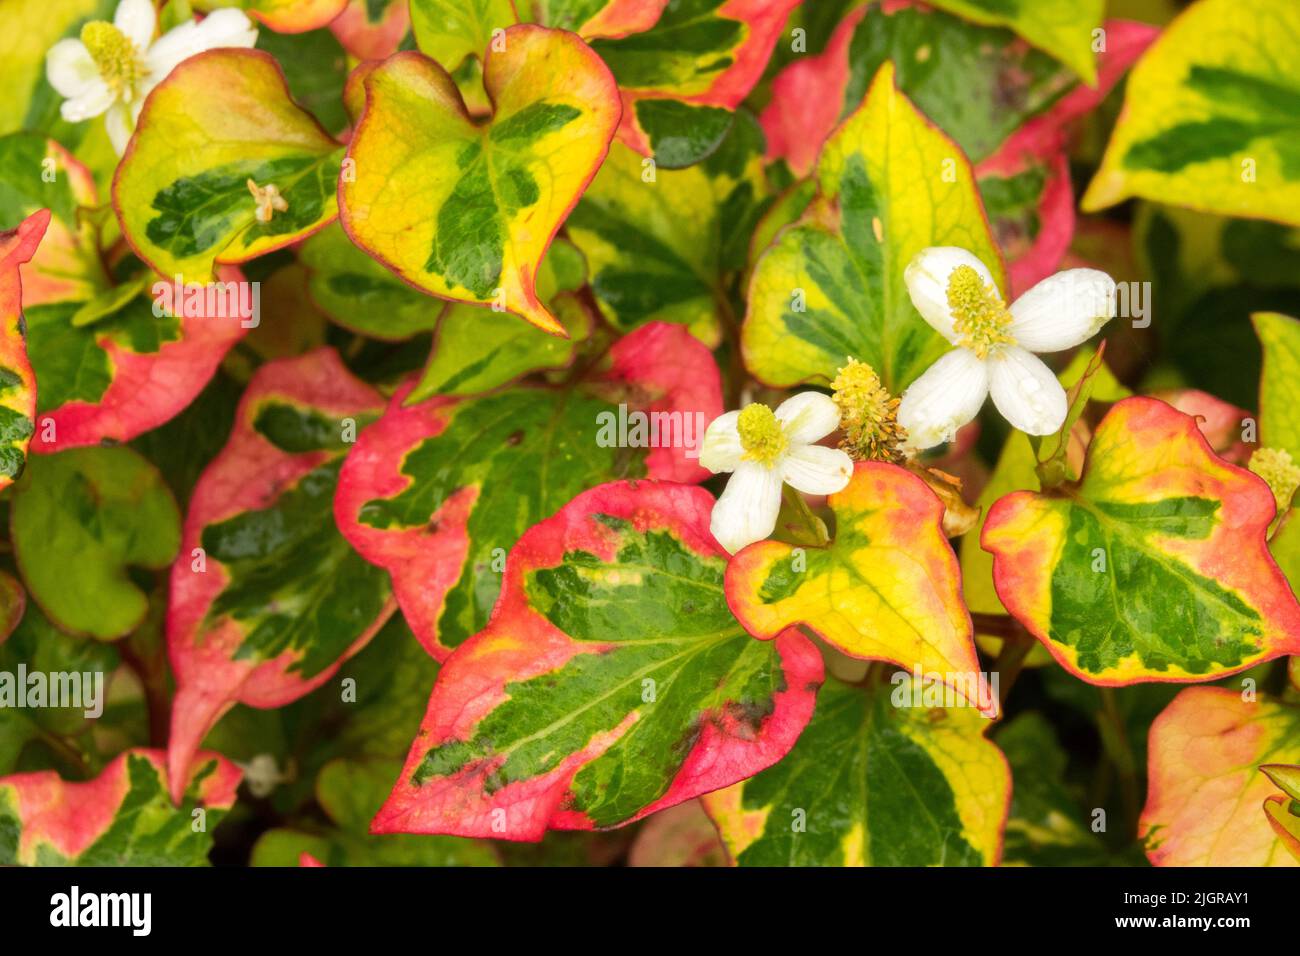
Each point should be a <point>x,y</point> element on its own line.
<point>450,30</point>
<point>976,83</point>
<point>612,681</point>
<point>38,646</point>
<point>1063,28</point>
<point>476,352</point>
<point>832,285</point>
<point>654,241</point>
<point>1279,412</point>
<point>80,520</point>
<point>907,785</point>
<point>359,294</point>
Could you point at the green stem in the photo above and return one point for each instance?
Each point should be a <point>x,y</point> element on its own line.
<point>814,526</point>
<point>1114,738</point>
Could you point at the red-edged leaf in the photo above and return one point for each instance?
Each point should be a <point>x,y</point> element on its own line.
<point>887,588</point>
<point>275,599</point>
<point>807,100</point>
<point>1205,789</point>
<point>436,493</point>
<point>17,380</point>
<point>1154,566</point>
<point>611,681</point>
<point>133,371</point>
<point>731,43</point>
<point>123,817</point>
<point>1220,422</point>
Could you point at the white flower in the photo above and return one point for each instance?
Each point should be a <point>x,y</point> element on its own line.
<point>956,295</point>
<point>112,68</point>
<point>764,450</point>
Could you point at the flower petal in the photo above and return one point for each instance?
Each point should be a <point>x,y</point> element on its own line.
<point>816,470</point>
<point>120,126</point>
<point>807,417</point>
<point>1026,392</point>
<point>227,27</point>
<point>70,69</point>
<point>747,510</point>
<point>721,449</point>
<point>1063,310</point>
<point>87,104</point>
<point>926,277</point>
<point>946,396</point>
<point>136,18</point>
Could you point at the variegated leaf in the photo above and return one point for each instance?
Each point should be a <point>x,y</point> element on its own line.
<point>873,781</point>
<point>1154,566</point>
<point>267,597</point>
<point>1205,787</point>
<point>437,492</point>
<point>610,682</point>
<point>887,588</point>
<point>466,211</point>
<point>123,817</point>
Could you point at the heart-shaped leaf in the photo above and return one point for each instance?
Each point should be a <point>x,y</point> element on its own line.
<point>1205,790</point>
<point>80,520</point>
<point>17,380</point>
<point>438,492</point>
<point>266,596</point>
<point>1154,566</point>
<point>611,681</point>
<point>1209,116</point>
<point>220,128</point>
<point>910,785</point>
<point>832,285</point>
<point>887,588</point>
<point>123,817</point>
<point>466,211</point>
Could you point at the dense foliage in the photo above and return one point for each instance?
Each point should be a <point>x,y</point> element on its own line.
<point>673,432</point>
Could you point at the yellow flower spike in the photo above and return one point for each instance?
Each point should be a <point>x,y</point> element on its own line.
<point>1275,466</point>
<point>980,316</point>
<point>268,199</point>
<point>761,434</point>
<point>868,415</point>
<point>114,54</point>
